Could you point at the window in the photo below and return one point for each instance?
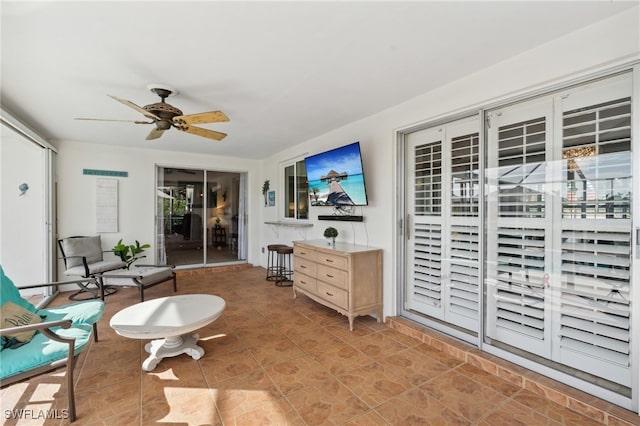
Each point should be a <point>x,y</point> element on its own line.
<point>296,192</point>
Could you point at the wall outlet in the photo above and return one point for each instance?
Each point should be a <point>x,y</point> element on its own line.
<point>262,248</point>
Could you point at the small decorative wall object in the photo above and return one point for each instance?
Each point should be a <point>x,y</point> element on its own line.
<point>265,190</point>
<point>23,188</point>
<point>272,198</point>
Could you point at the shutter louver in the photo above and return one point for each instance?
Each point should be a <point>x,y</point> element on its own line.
<point>428,179</point>
<point>596,143</point>
<point>521,281</point>
<point>427,281</point>
<point>463,275</point>
<point>521,158</point>
<point>464,175</point>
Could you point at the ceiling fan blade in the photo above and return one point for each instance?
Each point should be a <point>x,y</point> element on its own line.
<point>203,117</point>
<point>154,134</point>
<point>108,119</point>
<point>211,134</point>
<point>136,107</point>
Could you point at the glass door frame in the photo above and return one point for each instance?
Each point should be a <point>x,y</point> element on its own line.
<point>217,205</point>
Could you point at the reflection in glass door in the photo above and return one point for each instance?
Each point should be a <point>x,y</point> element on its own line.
<point>559,222</point>
<point>198,217</point>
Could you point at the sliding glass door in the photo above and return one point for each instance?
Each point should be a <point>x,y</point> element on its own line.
<point>543,271</point>
<point>443,219</point>
<point>199,217</point>
<point>559,229</point>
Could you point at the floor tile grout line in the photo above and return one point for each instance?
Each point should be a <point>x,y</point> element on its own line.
<point>284,396</point>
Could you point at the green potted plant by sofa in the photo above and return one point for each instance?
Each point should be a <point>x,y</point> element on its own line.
<point>129,253</point>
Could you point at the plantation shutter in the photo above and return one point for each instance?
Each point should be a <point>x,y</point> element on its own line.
<point>559,254</point>
<point>520,226</point>
<point>425,245</point>
<point>463,227</point>
<point>444,237</point>
<point>595,240</point>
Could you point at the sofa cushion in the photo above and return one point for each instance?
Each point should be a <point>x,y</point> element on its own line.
<point>41,351</point>
<point>12,315</point>
<point>87,312</point>
<point>9,293</point>
<point>89,247</point>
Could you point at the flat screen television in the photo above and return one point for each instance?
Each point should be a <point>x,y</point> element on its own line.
<point>335,177</point>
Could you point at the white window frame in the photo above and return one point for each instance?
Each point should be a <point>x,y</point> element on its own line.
<point>283,200</point>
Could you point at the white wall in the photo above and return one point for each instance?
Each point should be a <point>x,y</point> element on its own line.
<point>23,224</point>
<point>136,198</point>
<point>610,42</point>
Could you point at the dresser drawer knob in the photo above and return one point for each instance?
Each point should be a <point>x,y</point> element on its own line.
<point>329,294</point>
<point>329,260</point>
<point>329,276</point>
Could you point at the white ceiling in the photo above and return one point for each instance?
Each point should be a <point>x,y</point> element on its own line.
<point>284,72</point>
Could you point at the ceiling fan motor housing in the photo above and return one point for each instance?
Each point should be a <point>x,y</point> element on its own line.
<point>163,109</point>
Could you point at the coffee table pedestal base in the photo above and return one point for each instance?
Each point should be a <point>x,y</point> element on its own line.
<point>171,346</point>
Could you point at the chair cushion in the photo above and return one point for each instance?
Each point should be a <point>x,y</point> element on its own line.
<point>41,351</point>
<point>90,247</point>
<point>154,275</point>
<point>12,315</point>
<point>96,268</point>
<point>145,275</point>
<point>87,312</point>
<point>9,293</point>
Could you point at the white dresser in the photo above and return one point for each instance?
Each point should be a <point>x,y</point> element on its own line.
<point>345,277</point>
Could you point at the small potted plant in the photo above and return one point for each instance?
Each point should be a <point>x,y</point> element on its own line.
<point>330,234</point>
<point>129,253</point>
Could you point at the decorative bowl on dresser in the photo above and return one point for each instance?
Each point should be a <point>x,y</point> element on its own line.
<point>344,277</point>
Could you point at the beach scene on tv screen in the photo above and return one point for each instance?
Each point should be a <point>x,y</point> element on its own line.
<point>335,177</point>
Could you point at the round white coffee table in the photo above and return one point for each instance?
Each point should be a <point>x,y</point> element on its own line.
<point>171,320</point>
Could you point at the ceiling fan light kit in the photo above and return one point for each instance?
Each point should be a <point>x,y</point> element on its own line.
<point>165,116</point>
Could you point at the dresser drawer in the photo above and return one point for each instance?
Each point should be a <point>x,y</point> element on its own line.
<point>332,260</point>
<point>305,282</point>
<point>305,266</point>
<point>334,295</point>
<point>304,252</point>
<point>336,277</point>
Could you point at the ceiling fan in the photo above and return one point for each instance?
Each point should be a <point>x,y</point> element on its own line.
<point>165,116</point>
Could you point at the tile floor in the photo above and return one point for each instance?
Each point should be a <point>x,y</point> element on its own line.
<point>271,359</point>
